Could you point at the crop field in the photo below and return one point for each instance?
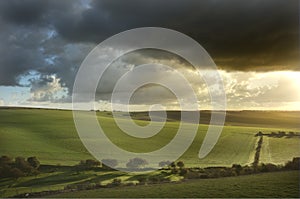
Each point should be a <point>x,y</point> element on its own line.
<point>50,135</point>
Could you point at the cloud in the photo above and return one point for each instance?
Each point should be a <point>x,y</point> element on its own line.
<point>22,12</point>
<point>252,35</point>
<point>249,90</point>
<point>46,88</point>
<point>51,38</point>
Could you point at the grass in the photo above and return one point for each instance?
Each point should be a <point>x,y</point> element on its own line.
<point>51,136</point>
<point>270,185</point>
<point>274,149</point>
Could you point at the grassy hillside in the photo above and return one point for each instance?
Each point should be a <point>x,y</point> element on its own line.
<point>272,119</point>
<point>270,185</point>
<point>274,149</point>
<point>51,136</point>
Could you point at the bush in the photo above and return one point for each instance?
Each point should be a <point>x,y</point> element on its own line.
<point>164,163</point>
<point>294,164</point>
<point>174,170</point>
<point>92,163</point>
<point>142,179</point>
<point>183,171</point>
<point>112,163</point>
<point>267,167</point>
<point>247,170</point>
<point>291,133</point>
<point>192,175</point>
<point>180,164</point>
<point>5,160</point>
<point>16,173</point>
<point>116,182</point>
<point>88,164</point>
<point>136,163</point>
<point>23,165</point>
<point>237,168</point>
<point>33,161</point>
<point>154,179</point>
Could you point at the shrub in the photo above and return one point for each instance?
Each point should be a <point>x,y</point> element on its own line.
<point>116,182</point>
<point>183,171</point>
<point>33,161</point>
<point>294,164</point>
<point>247,170</point>
<point>142,179</point>
<point>23,165</point>
<point>237,168</point>
<point>88,164</point>
<point>136,163</point>
<point>112,163</point>
<point>154,179</point>
<point>5,160</point>
<point>192,175</point>
<point>180,164</point>
<point>164,163</point>
<point>16,173</point>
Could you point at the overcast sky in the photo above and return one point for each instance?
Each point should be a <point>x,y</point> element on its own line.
<point>255,45</point>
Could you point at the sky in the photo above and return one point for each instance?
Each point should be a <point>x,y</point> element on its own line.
<point>254,44</point>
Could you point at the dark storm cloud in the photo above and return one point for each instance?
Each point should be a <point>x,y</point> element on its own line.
<point>53,37</point>
<point>22,12</point>
<point>240,35</point>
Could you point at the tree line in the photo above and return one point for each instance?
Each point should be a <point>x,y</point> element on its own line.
<point>18,167</point>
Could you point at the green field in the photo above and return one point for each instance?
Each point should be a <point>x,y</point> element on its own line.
<point>269,185</point>
<point>50,135</point>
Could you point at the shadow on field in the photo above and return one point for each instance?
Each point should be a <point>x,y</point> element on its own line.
<point>60,178</point>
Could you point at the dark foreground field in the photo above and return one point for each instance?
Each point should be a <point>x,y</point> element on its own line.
<point>268,185</point>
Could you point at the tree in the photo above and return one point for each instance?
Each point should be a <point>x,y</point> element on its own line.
<point>16,173</point>
<point>259,134</point>
<point>238,168</point>
<point>180,164</point>
<point>136,163</point>
<point>33,161</point>
<point>88,164</point>
<point>5,171</point>
<point>281,133</point>
<point>5,160</point>
<point>92,163</point>
<point>23,165</point>
<point>164,163</point>
<point>291,134</point>
<point>173,165</point>
<point>110,162</point>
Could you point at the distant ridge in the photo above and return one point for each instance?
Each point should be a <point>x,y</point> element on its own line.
<point>251,118</point>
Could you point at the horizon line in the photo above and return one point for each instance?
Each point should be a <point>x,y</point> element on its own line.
<point>97,110</point>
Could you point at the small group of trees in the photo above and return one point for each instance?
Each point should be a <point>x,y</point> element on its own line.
<point>18,167</point>
<point>109,163</point>
<point>89,164</point>
<point>237,169</point>
<point>136,163</point>
<point>257,152</point>
<point>92,164</point>
<point>279,134</point>
<point>175,167</point>
<point>293,165</point>
<point>164,163</point>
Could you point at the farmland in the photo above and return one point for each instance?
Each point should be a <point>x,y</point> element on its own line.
<point>50,135</point>
<point>253,186</point>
